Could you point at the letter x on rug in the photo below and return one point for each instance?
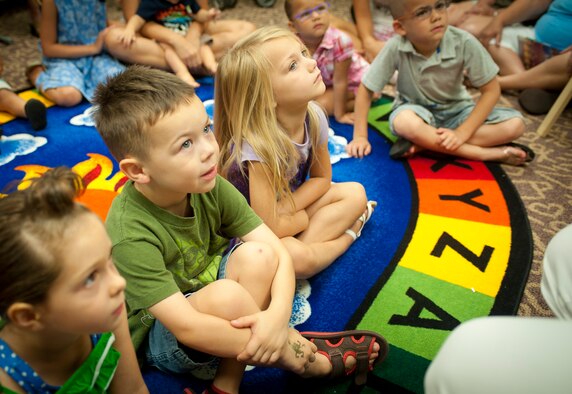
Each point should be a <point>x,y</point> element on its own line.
<point>449,241</point>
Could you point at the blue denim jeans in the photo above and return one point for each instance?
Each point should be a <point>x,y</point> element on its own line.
<point>168,355</point>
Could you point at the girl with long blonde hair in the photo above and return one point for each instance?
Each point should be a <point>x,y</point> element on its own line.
<point>274,148</point>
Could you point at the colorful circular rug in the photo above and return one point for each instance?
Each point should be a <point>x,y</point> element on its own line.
<point>449,241</point>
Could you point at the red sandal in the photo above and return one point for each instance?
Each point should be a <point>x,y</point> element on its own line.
<point>338,346</point>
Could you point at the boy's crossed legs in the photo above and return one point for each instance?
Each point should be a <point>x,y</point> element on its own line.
<point>240,299</point>
<point>491,141</point>
<point>326,236</point>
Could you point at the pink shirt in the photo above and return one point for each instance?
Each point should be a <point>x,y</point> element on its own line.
<point>337,46</point>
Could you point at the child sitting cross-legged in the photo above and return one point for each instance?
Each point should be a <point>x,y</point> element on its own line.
<point>433,109</point>
<point>63,324</point>
<point>341,67</point>
<point>177,15</point>
<point>204,274</point>
<point>274,143</point>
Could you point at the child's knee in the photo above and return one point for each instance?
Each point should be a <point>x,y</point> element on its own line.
<point>65,96</point>
<point>355,193</point>
<point>246,27</point>
<point>517,127</point>
<point>112,40</point>
<point>407,122</point>
<point>260,257</point>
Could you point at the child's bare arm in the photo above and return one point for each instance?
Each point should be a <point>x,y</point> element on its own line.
<point>49,39</point>
<point>282,219</point>
<point>270,327</point>
<point>127,378</point>
<point>318,183</point>
<point>341,91</point>
<point>134,24</point>
<point>360,146</point>
<point>200,331</point>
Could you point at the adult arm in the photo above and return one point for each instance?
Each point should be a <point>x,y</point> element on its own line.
<point>364,25</point>
<point>49,37</point>
<point>127,376</point>
<point>518,11</point>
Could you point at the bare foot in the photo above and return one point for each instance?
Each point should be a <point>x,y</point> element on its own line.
<point>512,155</point>
<point>413,150</point>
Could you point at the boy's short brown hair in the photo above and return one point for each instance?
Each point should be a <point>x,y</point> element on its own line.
<point>131,102</point>
<point>397,8</point>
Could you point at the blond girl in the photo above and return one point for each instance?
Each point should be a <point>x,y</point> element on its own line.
<point>274,148</point>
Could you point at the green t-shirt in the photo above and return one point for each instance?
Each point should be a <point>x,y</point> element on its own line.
<point>160,253</point>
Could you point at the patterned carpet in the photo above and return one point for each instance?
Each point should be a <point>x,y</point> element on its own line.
<point>545,185</point>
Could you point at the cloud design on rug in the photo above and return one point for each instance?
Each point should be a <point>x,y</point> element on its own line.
<point>337,147</point>
<point>301,309</point>
<point>84,119</point>
<point>19,145</point>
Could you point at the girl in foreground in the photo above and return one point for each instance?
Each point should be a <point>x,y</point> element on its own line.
<point>64,325</point>
<point>274,148</point>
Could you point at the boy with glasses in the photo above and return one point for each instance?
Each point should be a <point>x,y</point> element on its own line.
<point>341,67</point>
<point>433,109</point>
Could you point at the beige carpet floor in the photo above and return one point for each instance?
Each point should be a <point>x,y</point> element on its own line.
<point>545,185</point>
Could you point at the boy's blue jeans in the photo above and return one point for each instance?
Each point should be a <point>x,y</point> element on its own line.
<point>168,355</point>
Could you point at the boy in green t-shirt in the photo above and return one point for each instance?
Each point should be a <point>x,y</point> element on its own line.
<point>190,290</point>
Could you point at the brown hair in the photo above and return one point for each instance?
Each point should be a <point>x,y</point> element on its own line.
<point>288,9</point>
<point>33,223</point>
<point>131,102</point>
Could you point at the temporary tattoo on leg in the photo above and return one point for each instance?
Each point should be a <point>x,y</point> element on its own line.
<point>297,347</point>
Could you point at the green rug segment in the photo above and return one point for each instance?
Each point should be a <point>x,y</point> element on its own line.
<point>416,312</point>
<point>378,116</point>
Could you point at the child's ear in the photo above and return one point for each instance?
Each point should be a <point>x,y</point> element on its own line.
<point>292,28</point>
<point>24,315</point>
<point>398,28</point>
<point>134,170</point>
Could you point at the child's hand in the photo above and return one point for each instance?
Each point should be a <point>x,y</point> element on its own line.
<point>347,118</point>
<point>213,13</point>
<point>267,340</point>
<point>492,31</point>
<point>206,15</point>
<point>188,52</point>
<point>127,37</point>
<point>359,147</point>
<point>449,139</point>
<point>98,44</point>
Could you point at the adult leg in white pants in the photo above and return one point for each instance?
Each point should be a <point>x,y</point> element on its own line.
<point>508,354</point>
